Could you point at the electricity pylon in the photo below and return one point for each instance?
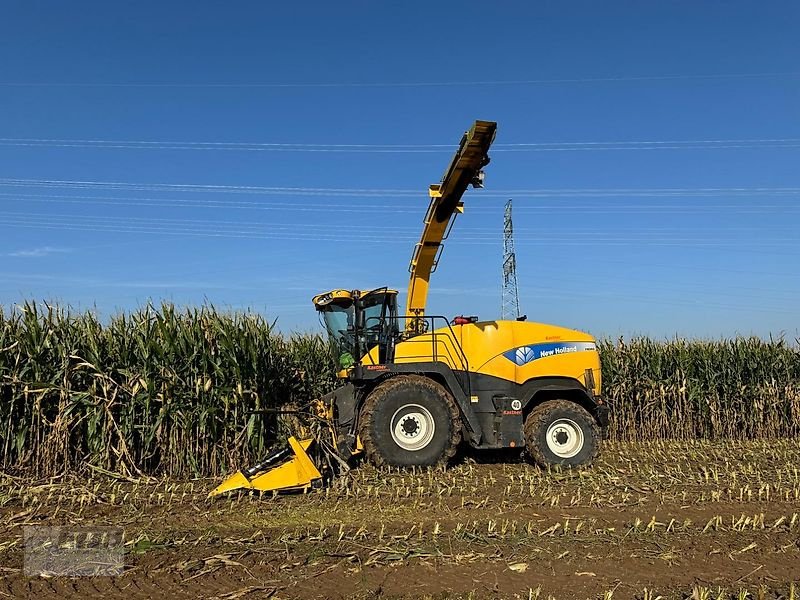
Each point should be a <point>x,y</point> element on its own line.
<point>510,305</point>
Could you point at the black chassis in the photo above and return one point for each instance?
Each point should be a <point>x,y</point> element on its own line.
<point>492,409</point>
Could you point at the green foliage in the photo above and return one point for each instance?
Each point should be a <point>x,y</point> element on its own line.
<point>740,388</point>
<point>159,390</point>
<point>171,391</point>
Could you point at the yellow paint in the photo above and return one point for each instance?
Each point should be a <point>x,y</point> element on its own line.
<point>445,204</point>
<point>332,296</point>
<point>341,296</point>
<point>297,473</point>
<point>484,343</point>
<point>371,357</point>
<point>438,345</point>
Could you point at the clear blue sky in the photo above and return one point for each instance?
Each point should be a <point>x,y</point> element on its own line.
<point>624,99</point>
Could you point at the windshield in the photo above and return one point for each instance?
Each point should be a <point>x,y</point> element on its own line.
<point>377,320</point>
<point>373,310</point>
<point>339,323</point>
<point>337,320</point>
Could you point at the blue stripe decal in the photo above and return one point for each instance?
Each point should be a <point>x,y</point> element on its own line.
<point>525,354</point>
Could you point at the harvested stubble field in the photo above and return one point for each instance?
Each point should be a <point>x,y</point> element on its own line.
<point>714,519</point>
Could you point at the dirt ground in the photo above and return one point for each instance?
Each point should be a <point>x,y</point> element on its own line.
<point>676,520</point>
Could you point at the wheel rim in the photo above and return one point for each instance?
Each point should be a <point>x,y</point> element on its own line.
<point>564,438</point>
<point>412,427</point>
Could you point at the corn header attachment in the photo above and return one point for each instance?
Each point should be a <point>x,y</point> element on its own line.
<point>308,460</point>
<point>287,469</point>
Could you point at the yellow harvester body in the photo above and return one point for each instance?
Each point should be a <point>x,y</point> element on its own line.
<point>416,385</point>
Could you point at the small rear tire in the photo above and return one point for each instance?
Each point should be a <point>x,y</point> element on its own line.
<point>409,420</point>
<point>561,432</point>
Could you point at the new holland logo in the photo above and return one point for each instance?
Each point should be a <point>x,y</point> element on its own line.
<point>525,354</point>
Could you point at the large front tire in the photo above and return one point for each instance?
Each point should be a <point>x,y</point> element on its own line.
<point>560,432</point>
<point>409,420</point>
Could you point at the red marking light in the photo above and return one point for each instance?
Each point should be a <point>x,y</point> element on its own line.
<point>462,320</point>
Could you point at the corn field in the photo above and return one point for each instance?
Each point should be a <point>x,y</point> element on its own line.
<point>156,391</point>
<point>173,392</point>
<point>740,388</point>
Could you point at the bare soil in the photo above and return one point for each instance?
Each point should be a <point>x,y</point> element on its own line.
<point>666,519</point>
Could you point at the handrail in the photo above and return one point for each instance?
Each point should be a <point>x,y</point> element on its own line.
<point>459,359</point>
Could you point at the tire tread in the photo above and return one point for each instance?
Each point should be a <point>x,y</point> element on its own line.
<point>387,387</point>
<point>542,414</point>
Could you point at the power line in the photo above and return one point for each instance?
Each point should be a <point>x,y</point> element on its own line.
<point>400,148</point>
<point>222,146</point>
<point>373,192</point>
<point>192,232</point>
<point>329,207</point>
<point>658,299</point>
<point>393,84</point>
<point>637,147</point>
<point>245,144</point>
<point>327,225</point>
<point>197,203</point>
<point>642,192</point>
<point>216,222</point>
<point>654,142</point>
<point>206,188</point>
<point>290,230</point>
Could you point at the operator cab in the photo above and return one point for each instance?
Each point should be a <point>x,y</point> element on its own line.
<point>359,320</point>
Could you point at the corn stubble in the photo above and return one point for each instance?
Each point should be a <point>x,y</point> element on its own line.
<point>170,391</point>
